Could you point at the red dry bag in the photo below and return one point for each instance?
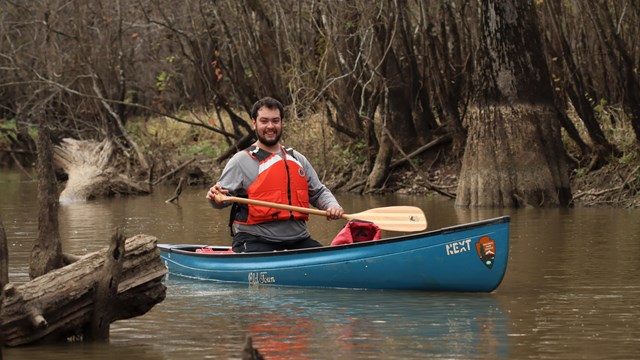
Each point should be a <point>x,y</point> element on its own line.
<point>357,231</point>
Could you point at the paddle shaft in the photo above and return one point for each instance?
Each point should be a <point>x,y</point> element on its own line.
<point>303,210</point>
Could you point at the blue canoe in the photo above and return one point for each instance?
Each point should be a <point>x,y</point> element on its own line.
<point>470,257</point>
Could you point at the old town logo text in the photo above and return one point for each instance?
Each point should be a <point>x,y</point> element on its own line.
<point>257,278</point>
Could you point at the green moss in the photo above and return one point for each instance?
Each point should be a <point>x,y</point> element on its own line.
<point>9,127</point>
<point>629,157</point>
<point>7,124</point>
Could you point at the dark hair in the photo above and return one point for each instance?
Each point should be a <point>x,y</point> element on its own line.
<point>269,103</point>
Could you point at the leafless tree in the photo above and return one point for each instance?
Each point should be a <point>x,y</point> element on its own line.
<point>390,75</point>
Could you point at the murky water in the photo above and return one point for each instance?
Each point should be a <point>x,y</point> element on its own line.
<point>571,291</point>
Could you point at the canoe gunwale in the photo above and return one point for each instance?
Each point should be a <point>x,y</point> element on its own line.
<point>182,248</point>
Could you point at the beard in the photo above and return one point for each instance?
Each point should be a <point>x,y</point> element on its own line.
<point>269,142</point>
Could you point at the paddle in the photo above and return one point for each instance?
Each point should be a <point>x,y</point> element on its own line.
<point>392,218</point>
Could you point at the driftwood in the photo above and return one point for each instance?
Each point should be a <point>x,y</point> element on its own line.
<point>620,193</point>
<point>92,171</point>
<point>107,288</point>
<point>61,304</point>
<point>249,352</point>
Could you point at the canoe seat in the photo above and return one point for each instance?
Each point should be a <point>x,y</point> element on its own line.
<point>357,231</point>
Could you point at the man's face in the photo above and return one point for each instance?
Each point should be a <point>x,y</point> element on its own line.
<point>268,126</point>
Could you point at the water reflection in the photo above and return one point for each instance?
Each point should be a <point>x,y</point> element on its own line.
<point>324,323</point>
<point>79,221</point>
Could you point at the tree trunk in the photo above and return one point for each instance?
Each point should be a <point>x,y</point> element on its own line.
<point>46,253</point>
<point>418,102</point>
<point>396,84</point>
<point>4,272</point>
<point>445,74</point>
<point>61,303</point>
<point>398,120</point>
<point>514,155</point>
<point>378,174</point>
<point>4,258</point>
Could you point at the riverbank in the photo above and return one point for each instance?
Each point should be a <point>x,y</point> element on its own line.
<point>188,152</point>
<point>341,166</point>
<point>610,186</point>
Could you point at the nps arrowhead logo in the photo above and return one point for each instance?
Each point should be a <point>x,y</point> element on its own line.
<point>486,248</point>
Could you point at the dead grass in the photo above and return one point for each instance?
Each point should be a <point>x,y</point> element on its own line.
<point>616,184</point>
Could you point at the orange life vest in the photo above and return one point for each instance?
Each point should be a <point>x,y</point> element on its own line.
<point>280,181</point>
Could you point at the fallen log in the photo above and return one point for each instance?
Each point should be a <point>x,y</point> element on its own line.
<point>60,304</point>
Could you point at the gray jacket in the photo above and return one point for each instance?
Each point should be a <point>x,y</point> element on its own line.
<point>242,170</point>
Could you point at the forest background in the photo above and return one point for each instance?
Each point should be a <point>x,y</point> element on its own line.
<point>390,95</point>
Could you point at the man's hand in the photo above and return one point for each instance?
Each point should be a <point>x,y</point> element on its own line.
<point>214,192</point>
<point>334,213</point>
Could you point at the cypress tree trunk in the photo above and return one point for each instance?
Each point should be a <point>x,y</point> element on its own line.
<point>514,155</point>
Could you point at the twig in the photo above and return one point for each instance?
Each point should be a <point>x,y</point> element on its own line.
<point>15,159</point>
<point>134,105</point>
<point>628,179</point>
<point>178,191</point>
<point>173,171</point>
<point>440,140</point>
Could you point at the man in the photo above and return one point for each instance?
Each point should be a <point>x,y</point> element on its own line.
<point>270,172</point>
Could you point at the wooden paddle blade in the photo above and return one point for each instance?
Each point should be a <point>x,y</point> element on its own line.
<point>393,218</point>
